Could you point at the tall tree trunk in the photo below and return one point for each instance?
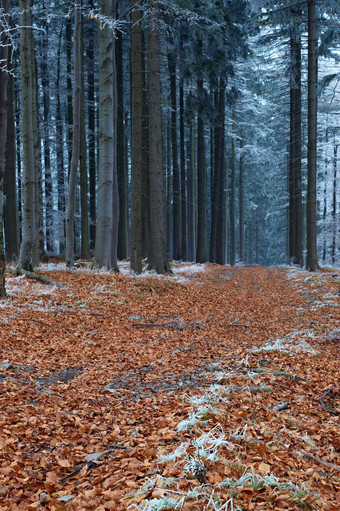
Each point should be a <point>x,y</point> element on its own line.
<point>222,196</point>
<point>69,86</point>
<point>145,158</point>
<point>115,191</point>
<point>312,255</point>
<point>39,243</point>
<point>158,259</point>
<point>102,253</point>
<point>295,175</point>
<point>232,193</point>
<point>75,139</point>
<point>241,202</point>
<point>26,52</point>
<point>60,155</point>
<point>45,83</point>
<point>11,204</point>
<point>122,177</point>
<point>324,213</point>
<point>334,208</point>
<point>136,141</point>
<point>3,132</point>
<point>192,199</point>
<point>91,130</point>
<point>177,213</point>
<point>184,255</point>
<point>201,253</point>
<point>84,212</point>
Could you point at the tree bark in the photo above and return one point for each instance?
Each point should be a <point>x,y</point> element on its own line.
<point>241,202</point>
<point>91,130</point>
<point>201,252</point>
<point>232,193</point>
<point>312,256</point>
<point>102,253</point>
<point>158,259</point>
<point>75,139</point>
<point>121,174</point>
<point>60,155</point>
<point>84,212</point>
<point>184,255</point>
<point>136,141</point>
<point>176,189</point>
<point>3,132</point>
<point>295,175</point>
<point>26,51</point>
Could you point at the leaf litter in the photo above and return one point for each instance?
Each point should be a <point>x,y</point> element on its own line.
<point>98,412</point>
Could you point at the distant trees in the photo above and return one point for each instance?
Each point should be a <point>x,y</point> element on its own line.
<point>167,120</point>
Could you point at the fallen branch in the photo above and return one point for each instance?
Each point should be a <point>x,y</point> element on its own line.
<point>291,376</point>
<point>323,404</point>
<point>34,276</point>
<point>310,457</point>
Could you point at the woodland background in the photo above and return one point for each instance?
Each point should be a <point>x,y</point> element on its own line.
<point>183,130</point>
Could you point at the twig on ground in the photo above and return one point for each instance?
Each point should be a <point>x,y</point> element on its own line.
<point>310,457</point>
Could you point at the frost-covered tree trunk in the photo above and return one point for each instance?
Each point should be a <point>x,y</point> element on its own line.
<point>3,129</point>
<point>334,206</point>
<point>184,255</point>
<point>71,204</point>
<point>26,52</point>
<point>136,141</point>
<point>232,193</point>
<point>158,259</point>
<point>102,253</point>
<point>312,256</point>
<point>91,42</point>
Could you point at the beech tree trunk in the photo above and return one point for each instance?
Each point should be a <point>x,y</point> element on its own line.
<point>158,259</point>
<point>60,156</point>
<point>75,139</point>
<point>241,202</point>
<point>312,254</point>
<point>26,52</point>
<point>91,129</point>
<point>232,193</point>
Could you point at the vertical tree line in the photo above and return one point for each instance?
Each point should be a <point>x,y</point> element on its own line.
<point>159,141</point>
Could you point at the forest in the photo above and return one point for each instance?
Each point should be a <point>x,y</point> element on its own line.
<point>185,130</point>
<point>169,255</point>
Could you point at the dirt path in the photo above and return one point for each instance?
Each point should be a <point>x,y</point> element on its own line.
<point>231,371</point>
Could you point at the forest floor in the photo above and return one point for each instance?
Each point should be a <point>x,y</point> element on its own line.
<point>217,388</point>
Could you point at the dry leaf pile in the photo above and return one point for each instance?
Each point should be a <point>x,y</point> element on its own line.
<point>215,389</point>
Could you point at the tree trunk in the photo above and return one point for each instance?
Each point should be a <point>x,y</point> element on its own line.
<point>295,175</point>
<point>177,213</point>
<point>136,141</point>
<point>75,139</point>
<point>69,87</point>
<point>312,256</point>
<point>84,212</point>
<point>26,51</point>
<point>145,158</point>
<point>334,208</point>
<point>115,192</point>
<point>11,204</point>
<point>158,259</point>
<point>222,195</point>
<point>241,202</point>
<point>102,253</point>
<point>39,242</point>
<point>3,132</point>
<point>91,130</point>
<point>201,253</point>
<point>121,174</point>
<point>232,193</point>
<point>184,255</point>
<point>60,156</point>
<point>192,200</point>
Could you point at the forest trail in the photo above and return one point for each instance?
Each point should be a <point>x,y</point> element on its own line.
<point>170,383</point>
